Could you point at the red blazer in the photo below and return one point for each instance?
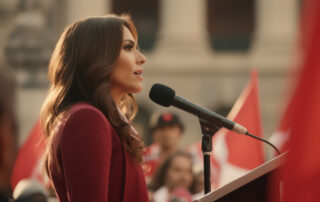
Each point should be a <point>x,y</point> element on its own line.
<point>92,163</point>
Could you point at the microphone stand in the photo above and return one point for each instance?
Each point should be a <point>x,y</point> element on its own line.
<point>208,130</point>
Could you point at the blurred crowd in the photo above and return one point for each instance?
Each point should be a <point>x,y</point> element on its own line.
<point>170,171</point>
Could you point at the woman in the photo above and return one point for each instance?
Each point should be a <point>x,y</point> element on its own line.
<point>173,179</point>
<point>94,154</point>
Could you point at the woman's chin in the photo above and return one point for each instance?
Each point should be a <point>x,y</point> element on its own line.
<point>136,89</point>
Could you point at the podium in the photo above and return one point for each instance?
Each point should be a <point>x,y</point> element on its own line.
<point>253,186</point>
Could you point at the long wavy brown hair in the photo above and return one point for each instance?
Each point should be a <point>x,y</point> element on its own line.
<point>79,71</point>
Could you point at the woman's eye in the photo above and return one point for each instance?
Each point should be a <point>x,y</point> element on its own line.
<point>128,47</point>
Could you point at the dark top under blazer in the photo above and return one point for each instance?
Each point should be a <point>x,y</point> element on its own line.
<point>92,163</point>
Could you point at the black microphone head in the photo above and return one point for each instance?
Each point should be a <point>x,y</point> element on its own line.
<point>162,95</point>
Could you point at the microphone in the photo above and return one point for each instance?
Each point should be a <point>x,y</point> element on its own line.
<point>165,96</point>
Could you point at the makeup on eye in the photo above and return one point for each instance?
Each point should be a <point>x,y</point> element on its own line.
<point>128,47</point>
<point>129,44</point>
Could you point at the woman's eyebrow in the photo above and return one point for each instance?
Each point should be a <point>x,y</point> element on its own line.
<point>133,42</point>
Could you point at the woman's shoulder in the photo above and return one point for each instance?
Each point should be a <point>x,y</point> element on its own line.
<point>86,112</point>
<point>82,119</point>
<point>84,108</point>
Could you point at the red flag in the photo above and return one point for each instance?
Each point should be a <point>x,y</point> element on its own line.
<point>28,163</point>
<point>244,151</point>
<point>281,137</point>
<point>301,172</point>
<point>234,154</point>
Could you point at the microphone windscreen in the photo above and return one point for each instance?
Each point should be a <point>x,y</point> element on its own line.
<point>162,95</point>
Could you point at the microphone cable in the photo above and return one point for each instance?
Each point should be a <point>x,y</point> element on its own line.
<point>263,140</point>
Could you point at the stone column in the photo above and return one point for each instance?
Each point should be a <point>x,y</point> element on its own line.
<point>273,53</point>
<point>77,9</point>
<point>182,28</point>
<point>276,32</point>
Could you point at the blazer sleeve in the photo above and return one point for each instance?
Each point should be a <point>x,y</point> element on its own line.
<point>85,148</point>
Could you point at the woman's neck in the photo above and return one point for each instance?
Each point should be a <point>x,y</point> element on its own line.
<point>116,96</point>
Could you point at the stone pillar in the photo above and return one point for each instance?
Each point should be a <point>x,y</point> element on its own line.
<point>182,28</point>
<point>77,9</point>
<point>276,33</point>
<point>273,53</point>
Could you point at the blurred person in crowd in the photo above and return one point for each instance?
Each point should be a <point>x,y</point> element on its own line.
<point>167,130</point>
<point>93,152</point>
<point>29,190</point>
<point>150,194</point>
<point>197,187</point>
<point>173,179</point>
<point>8,133</point>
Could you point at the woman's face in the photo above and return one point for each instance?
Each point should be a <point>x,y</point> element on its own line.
<point>126,76</point>
<point>179,174</point>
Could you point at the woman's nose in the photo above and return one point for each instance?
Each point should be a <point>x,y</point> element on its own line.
<point>141,58</point>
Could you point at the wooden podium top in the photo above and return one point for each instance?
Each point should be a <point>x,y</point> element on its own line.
<point>245,179</point>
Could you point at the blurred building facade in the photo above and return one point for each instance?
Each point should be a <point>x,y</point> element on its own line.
<point>204,49</point>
